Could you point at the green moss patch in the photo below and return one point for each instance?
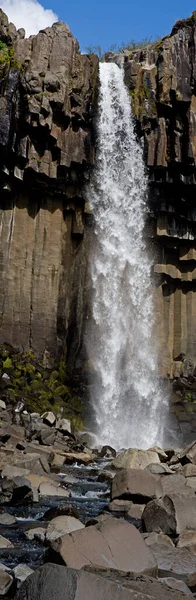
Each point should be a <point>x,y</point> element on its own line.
<point>40,388</point>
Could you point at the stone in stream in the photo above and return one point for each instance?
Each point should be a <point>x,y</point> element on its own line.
<point>62,525</point>
<point>63,509</point>
<point>4,543</point>
<point>36,533</point>
<point>6,581</point>
<point>52,489</point>
<point>56,582</point>
<point>130,483</point>
<point>172,514</point>
<point>6,519</point>
<point>114,544</point>
<point>21,572</point>
<point>135,459</point>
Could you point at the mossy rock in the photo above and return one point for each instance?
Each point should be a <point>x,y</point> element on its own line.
<point>7,363</point>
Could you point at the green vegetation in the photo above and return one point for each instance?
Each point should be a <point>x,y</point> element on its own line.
<point>40,388</point>
<point>7,58</point>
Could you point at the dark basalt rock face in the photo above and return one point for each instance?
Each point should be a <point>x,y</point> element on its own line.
<point>47,97</point>
<point>162,82</point>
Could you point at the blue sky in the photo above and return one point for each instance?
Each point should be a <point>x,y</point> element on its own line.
<point>101,23</point>
<point>107,22</point>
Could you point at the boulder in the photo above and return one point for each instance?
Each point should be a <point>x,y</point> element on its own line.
<point>11,471</point>
<point>107,452</point>
<point>188,470</point>
<point>6,581</point>
<point>135,459</point>
<point>142,485</point>
<point>172,514</point>
<point>120,506</point>
<point>6,519</point>
<point>2,405</point>
<point>172,484</point>
<point>52,489</point>
<point>159,469</point>
<point>136,511</point>
<point>50,581</point>
<point>21,572</point>
<point>177,562</point>
<point>187,538</point>
<point>176,584</point>
<point>62,525</point>
<point>64,426</point>
<point>37,533</point>
<point>113,544</point>
<point>157,538</point>
<point>49,418</point>
<point>22,492</point>
<point>62,509</point>
<point>4,543</point>
<point>188,454</point>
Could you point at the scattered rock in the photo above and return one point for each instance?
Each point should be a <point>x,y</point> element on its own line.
<point>176,584</point>
<point>187,538</point>
<point>114,544</point>
<point>6,519</point>
<point>49,418</point>
<point>62,525</point>
<point>50,582</point>
<point>52,489</point>
<point>63,509</point>
<point>108,452</point>
<point>37,533</point>
<point>177,562</point>
<point>4,543</point>
<point>135,459</point>
<point>130,483</point>
<point>11,471</point>
<point>21,572</point>
<point>120,506</point>
<point>172,514</point>
<point>6,581</point>
<point>64,426</point>
<point>157,538</point>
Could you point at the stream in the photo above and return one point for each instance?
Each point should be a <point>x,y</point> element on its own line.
<point>89,496</point>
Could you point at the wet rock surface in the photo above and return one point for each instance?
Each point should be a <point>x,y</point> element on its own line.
<point>69,513</point>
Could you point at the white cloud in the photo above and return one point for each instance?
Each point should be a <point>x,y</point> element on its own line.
<point>28,14</point>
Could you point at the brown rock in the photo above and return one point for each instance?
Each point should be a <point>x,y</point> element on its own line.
<point>93,584</point>
<point>172,514</point>
<point>135,459</point>
<point>130,483</point>
<point>177,562</point>
<point>62,525</point>
<point>112,544</point>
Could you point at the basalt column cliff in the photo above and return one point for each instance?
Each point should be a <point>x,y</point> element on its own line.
<point>48,95</point>
<point>47,91</point>
<point>162,83</point>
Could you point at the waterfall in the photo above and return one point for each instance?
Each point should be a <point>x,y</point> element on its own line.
<point>126,396</point>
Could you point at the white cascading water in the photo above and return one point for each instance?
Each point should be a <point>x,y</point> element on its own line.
<point>126,397</point>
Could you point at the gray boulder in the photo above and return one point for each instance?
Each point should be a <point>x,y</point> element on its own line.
<point>54,582</point>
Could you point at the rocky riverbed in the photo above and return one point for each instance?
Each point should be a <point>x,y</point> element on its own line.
<point>83,523</point>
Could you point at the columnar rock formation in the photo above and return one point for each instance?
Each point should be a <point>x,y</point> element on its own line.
<point>47,98</point>
<point>162,83</point>
<point>47,92</point>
